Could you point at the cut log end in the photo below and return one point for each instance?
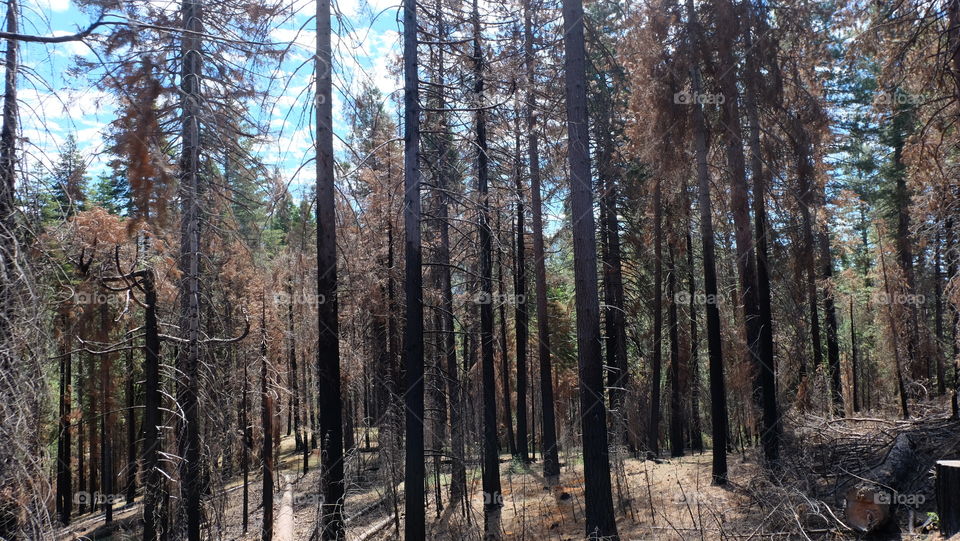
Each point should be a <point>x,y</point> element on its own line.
<point>867,507</point>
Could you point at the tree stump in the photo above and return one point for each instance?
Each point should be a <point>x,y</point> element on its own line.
<point>948,496</point>
<point>871,500</point>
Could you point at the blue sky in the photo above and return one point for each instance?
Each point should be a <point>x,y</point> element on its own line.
<point>54,103</point>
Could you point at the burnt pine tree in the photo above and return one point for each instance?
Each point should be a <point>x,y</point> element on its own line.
<point>328,345</point>
<point>718,393</point>
<point>653,425</point>
<point>491,460</point>
<point>766,381</point>
<point>190,252</point>
<point>548,439</point>
<point>414,469</point>
<point>596,459</point>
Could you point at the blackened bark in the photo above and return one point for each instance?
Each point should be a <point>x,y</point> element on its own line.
<point>854,361</point>
<point>492,500</point>
<point>596,460</point>
<point>129,394</point>
<point>190,252</point>
<point>739,204</point>
<point>676,375</point>
<point>64,473</point>
<point>266,423</point>
<point>522,318</point>
<point>766,380</point>
<point>551,463</point>
<point>328,343</point>
<point>696,427</point>
<point>415,472</point>
<point>504,355</point>
<point>152,485</point>
<point>718,393</point>
<point>830,312</point>
<point>653,425</point>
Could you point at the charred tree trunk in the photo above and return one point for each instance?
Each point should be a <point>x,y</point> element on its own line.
<point>551,462</point>
<point>766,380</point>
<point>130,395</point>
<point>293,374</point>
<point>854,362</point>
<point>266,423</point>
<point>739,207</point>
<point>522,318</point>
<point>190,252</point>
<point>948,496</point>
<point>328,344</point>
<point>718,393</point>
<point>830,311</point>
<point>696,428</point>
<point>492,501</point>
<point>415,471</point>
<point>152,484</point>
<point>504,355</point>
<point>653,427</point>
<point>247,435</point>
<point>64,473</point>
<point>676,399</point>
<point>871,500</point>
<point>596,460</point>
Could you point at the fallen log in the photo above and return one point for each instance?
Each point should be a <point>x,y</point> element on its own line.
<point>948,496</point>
<point>870,500</point>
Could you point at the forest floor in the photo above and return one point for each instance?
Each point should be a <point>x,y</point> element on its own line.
<point>664,499</point>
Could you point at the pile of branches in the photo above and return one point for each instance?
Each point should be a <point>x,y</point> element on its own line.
<point>825,460</point>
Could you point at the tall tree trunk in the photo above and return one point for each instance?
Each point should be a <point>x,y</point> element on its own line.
<point>152,484</point>
<point>190,291</point>
<point>64,472</point>
<point>854,361</point>
<point>596,460</point>
<point>328,342</point>
<point>618,375</point>
<point>293,375</point>
<point>696,428</point>
<point>739,205</point>
<point>458,483</point>
<point>130,395</point>
<point>894,334</point>
<point>247,435</point>
<point>522,318</point>
<point>808,260</point>
<point>718,392</point>
<point>266,423</point>
<point>676,386</point>
<point>938,314</point>
<point>653,425</point>
<point>492,499</point>
<point>414,527</point>
<point>766,379</point>
<point>551,462</point>
<point>833,347</point>
<point>504,355</point>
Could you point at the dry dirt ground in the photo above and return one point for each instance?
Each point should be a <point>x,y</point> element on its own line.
<point>669,499</point>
